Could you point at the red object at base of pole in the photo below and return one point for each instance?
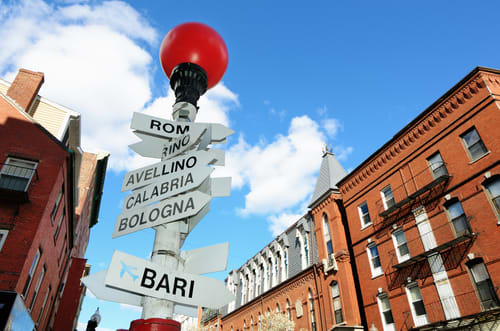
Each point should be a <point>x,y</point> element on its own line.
<point>155,324</point>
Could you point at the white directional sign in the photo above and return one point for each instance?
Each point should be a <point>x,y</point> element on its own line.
<point>206,259</point>
<point>216,186</point>
<point>167,186</point>
<point>153,173</point>
<point>136,275</point>
<point>165,211</point>
<point>160,147</point>
<point>157,126</point>
<point>95,284</point>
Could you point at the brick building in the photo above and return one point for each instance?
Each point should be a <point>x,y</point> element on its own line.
<point>423,215</point>
<point>50,194</point>
<point>304,273</point>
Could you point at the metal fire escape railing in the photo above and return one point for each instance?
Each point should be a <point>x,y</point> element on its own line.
<point>452,249</point>
<point>466,308</point>
<point>420,189</point>
<point>14,182</point>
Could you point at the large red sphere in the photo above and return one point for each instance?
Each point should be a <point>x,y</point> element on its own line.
<point>195,43</point>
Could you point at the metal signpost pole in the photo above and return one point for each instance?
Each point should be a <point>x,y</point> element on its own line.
<point>167,241</point>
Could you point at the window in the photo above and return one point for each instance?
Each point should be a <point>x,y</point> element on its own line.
<point>493,189</point>
<point>56,205</point>
<point>59,225</point>
<point>458,218</point>
<point>337,306</point>
<point>402,251</point>
<point>43,305</point>
<point>484,286</point>
<point>374,258</point>
<point>364,214</point>
<point>311,312</point>
<point>288,310</point>
<point>37,287</point>
<point>387,197</point>
<point>34,264</point>
<point>436,165</point>
<point>417,305</point>
<point>3,237</point>
<point>386,312</point>
<point>474,144</point>
<point>16,174</point>
<point>285,263</point>
<point>326,233</point>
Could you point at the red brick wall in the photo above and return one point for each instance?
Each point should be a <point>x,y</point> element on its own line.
<point>29,224</point>
<point>402,164</point>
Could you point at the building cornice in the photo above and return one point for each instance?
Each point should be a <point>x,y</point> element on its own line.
<point>452,101</point>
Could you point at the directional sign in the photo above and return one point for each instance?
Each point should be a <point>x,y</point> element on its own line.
<point>159,147</point>
<point>169,185</point>
<point>95,284</point>
<point>136,275</point>
<point>153,173</point>
<point>206,259</point>
<point>165,211</point>
<point>157,126</point>
<point>216,186</point>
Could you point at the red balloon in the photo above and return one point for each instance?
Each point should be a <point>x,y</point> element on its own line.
<point>195,43</point>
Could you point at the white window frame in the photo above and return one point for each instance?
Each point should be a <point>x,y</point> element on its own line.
<point>384,196</point>
<point>401,258</point>
<point>336,299</point>
<point>420,319</point>
<point>3,236</point>
<point>467,147</point>
<point>327,235</point>
<point>37,287</point>
<point>376,271</point>
<point>488,185</point>
<point>387,326</point>
<point>31,272</point>
<point>10,159</point>
<point>435,164</point>
<point>362,216</point>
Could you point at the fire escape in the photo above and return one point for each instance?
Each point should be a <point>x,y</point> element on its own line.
<point>425,189</point>
<point>14,182</point>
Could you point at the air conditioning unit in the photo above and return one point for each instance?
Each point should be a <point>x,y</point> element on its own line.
<point>330,264</point>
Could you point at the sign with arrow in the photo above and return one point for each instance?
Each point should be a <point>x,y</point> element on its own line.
<point>153,173</point>
<point>169,185</point>
<point>95,284</point>
<point>147,278</point>
<point>165,211</point>
<point>206,259</point>
<point>161,127</point>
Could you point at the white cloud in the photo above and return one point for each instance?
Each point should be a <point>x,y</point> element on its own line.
<point>95,63</point>
<point>280,174</point>
<point>279,223</point>
<point>332,127</point>
<point>124,306</point>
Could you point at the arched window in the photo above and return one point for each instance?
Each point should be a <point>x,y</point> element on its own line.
<point>251,323</point>
<point>285,263</point>
<point>337,305</point>
<point>326,234</point>
<point>277,307</point>
<point>288,310</point>
<point>311,311</point>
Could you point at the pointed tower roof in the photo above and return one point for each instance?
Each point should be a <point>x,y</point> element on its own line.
<point>330,173</point>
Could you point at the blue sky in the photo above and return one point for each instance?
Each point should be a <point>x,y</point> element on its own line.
<point>347,73</point>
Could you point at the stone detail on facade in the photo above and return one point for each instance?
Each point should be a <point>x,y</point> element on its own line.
<point>448,106</point>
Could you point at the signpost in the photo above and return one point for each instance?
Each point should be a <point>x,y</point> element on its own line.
<point>173,195</point>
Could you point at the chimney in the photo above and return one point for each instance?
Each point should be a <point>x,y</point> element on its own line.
<point>25,87</point>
